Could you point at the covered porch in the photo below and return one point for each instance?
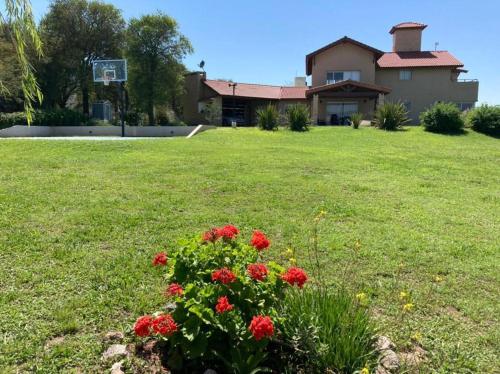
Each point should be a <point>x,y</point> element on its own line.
<point>333,104</point>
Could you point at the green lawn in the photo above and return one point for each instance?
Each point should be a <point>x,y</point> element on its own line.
<point>80,221</point>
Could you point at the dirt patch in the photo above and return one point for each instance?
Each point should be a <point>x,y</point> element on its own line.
<point>53,342</point>
<point>413,357</point>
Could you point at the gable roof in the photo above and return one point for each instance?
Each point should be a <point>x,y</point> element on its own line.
<point>418,59</point>
<point>343,40</point>
<point>257,91</point>
<point>349,84</point>
<point>408,25</point>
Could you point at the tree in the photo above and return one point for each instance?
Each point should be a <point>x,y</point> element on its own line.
<point>76,33</point>
<point>19,24</point>
<point>155,50</point>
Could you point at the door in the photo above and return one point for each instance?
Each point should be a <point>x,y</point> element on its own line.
<point>340,113</point>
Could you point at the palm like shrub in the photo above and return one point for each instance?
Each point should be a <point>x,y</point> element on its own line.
<point>329,331</point>
<point>356,119</point>
<point>391,116</point>
<point>268,118</point>
<point>298,117</point>
<point>485,119</point>
<point>442,118</point>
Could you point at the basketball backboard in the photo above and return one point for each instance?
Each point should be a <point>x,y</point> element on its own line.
<point>110,71</point>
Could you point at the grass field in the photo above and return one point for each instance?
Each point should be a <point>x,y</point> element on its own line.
<point>80,221</point>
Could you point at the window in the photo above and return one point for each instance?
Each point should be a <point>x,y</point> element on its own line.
<point>407,105</point>
<point>465,106</point>
<point>339,76</point>
<point>405,75</point>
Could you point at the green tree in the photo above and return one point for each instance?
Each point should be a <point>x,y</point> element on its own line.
<point>18,23</point>
<point>155,50</point>
<point>76,33</point>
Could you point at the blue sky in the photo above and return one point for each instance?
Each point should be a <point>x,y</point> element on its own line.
<point>265,41</point>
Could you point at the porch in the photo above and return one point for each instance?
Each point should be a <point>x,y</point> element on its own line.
<point>333,104</point>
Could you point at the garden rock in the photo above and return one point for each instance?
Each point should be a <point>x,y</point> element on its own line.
<point>117,368</point>
<point>389,361</point>
<point>115,350</point>
<point>114,336</point>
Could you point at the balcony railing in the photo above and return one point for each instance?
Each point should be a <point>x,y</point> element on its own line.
<point>465,80</point>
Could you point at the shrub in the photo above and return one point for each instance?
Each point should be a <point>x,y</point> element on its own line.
<point>298,117</point>
<point>484,119</point>
<point>329,330</point>
<point>213,113</point>
<point>356,119</point>
<point>55,117</point>
<point>268,117</point>
<point>222,309</point>
<point>390,116</point>
<point>442,118</point>
<point>12,119</point>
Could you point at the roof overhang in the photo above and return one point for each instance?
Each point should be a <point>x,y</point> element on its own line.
<point>344,40</point>
<point>349,88</point>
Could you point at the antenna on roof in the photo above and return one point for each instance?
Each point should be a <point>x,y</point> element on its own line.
<point>436,46</point>
<point>201,65</point>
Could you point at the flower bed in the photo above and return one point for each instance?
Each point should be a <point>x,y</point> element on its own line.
<point>223,301</point>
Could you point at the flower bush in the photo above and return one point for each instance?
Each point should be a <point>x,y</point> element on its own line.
<point>223,301</point>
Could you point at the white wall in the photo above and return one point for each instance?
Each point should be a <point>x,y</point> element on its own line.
<point>132,131</point>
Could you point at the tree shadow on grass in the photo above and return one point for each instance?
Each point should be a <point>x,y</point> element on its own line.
<point>449,133</point>
<point>492,133</point>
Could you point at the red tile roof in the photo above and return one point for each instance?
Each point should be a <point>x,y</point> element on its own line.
<point>407,25</point>
<point>257,91</point>
<point>418,59</point>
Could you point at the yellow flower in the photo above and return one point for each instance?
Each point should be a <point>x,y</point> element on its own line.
<point>293,261</point>
<point>408,307</point>
<point>365,370</point>
<point>403,295</point>
<point>362,298</point>
<point>320,215</point>
<point>357,245</point>
<point>438,278</point>
<point>417,336</point>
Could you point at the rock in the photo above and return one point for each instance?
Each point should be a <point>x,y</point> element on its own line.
<point>210,371</point>
<point>389,361</point>
<point>117,368</point>
<point>114,336</point>
<point>115,350</point>
<point>383,343</point>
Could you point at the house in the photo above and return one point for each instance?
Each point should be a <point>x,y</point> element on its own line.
<point>239,102</point>
<point>348,76</point>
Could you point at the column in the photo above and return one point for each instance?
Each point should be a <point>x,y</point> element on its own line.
<point>315,109</point>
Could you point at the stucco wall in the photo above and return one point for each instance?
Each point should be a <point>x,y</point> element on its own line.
<point>427,86</point>
<point>343,57</point>
<point>130,131</point>
<point>406,40</point>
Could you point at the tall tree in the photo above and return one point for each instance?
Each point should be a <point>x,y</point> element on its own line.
<point>76,33</point>
<point>155,49</point>
<point>19,23</point>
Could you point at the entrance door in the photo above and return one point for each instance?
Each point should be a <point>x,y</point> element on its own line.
<point>340,113</point>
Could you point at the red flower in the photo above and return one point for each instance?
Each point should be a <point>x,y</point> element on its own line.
<point>223,305</point>
<point>295,276</point>
<point>257,271</point>
<point>160,259</point>
<point>224,276</point>
<point>174,289</point>
<point>261,327</point>
<point>228,232</point>
<point>211,236</point>
<point>259,240</point>
<point>142,326</point>
<point>164,324</point>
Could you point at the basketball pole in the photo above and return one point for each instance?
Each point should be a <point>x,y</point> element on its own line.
<point>122,112</point>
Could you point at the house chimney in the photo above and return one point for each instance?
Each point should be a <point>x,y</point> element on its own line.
<point>407,37</point>
<point>300,82</point>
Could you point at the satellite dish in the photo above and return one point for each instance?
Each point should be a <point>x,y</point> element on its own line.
<point>202,65</point>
